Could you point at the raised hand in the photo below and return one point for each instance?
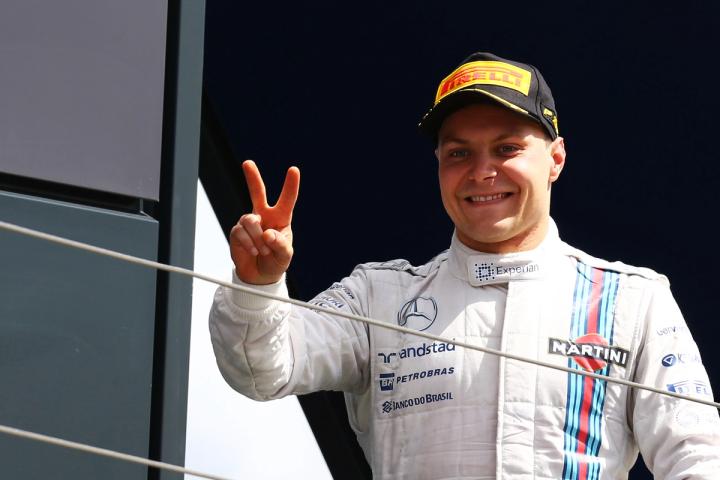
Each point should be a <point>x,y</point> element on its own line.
<point>261,241</point>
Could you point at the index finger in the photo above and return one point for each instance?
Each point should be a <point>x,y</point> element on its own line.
<point>255,184</point>
<point>289,193</point>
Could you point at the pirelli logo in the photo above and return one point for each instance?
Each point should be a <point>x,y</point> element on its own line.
<point>485,73</point>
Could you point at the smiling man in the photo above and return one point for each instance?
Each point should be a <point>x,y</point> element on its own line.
<point>426,409</point>
<point>495,171</point>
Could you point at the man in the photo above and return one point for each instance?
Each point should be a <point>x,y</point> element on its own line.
<point>430,409</point>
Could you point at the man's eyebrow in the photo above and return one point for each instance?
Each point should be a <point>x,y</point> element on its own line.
<point>512,133</point>
<point>515,133</point>
<point>454,140</point>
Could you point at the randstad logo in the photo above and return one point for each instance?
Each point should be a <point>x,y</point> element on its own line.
<point>419,351</point>
<point>418,314</point>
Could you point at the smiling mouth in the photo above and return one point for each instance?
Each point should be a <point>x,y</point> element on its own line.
<point>487,198</point>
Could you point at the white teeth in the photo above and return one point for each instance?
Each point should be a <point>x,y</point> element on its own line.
<point>487,198</point>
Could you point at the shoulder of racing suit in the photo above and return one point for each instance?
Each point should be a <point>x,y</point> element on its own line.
<point>615,266</point>
<point>404,266</point>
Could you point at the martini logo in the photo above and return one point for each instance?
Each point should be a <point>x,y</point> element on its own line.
<point>591,352</point>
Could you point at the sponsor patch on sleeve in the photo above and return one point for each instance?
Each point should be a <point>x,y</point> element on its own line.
<point>690,387</point>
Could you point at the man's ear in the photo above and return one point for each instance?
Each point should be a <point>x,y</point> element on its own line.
<point>557,153</point>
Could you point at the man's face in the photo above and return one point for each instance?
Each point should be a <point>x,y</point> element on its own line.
<point>495,170</point>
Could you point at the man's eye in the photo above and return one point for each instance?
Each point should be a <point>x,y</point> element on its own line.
<point>508,149</point>
<point>458,153</point>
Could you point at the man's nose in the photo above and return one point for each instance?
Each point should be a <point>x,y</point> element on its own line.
<point>482,168</point>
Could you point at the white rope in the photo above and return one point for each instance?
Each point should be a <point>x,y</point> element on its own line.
<point>351,316</point>
<point>104,452</point>
<point>170,268</point>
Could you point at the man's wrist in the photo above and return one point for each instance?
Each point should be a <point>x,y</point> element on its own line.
<point>251,301</point>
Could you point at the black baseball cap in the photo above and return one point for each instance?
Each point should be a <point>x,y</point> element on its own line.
<point>483,76</point>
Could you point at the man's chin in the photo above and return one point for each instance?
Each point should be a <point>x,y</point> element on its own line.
<point>487,239</point>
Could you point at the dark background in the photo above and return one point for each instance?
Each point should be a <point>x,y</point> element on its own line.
<point>338,89</point>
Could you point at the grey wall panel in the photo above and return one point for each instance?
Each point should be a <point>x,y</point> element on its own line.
<point>81,92</point>
<point>76,339</point>
<point>186,31</point>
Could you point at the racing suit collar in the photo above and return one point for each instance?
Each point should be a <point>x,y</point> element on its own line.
<point>480,268</point>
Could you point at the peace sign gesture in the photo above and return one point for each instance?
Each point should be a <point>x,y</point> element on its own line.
<point>261,241</point>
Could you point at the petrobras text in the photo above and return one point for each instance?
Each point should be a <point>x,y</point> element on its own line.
<point>434,372</point>
<point>388,381</point>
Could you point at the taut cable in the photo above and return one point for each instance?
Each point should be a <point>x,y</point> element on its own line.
<point>105,452</point>
<point>183,271</point>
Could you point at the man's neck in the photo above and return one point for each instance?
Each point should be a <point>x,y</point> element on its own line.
<point>528,240</point>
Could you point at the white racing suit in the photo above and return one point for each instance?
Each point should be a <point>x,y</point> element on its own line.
<point>425,409</point>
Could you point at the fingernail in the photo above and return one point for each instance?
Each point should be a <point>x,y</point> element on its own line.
<point>265,251</point>
<point>254,252</point>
